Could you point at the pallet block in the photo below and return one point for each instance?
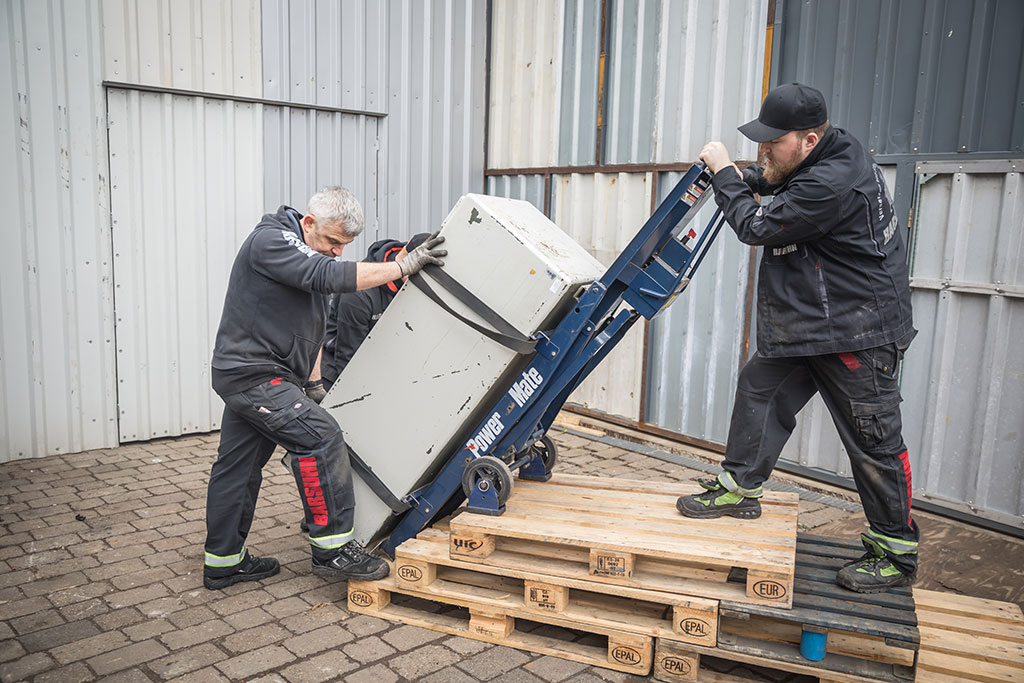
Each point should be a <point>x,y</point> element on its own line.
<point>490,622</point>
<point>424,567</point>
<point>969,639</point>
<point>629,533</point>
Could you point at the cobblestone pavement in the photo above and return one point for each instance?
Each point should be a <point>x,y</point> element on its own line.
<point>101,578</point>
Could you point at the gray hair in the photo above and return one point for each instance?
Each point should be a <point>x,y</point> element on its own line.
<point>337,206</point>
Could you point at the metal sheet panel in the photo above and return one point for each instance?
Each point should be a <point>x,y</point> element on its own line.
<point>602,212</point>
<point>432,141</point>
<point>581,51</point>
<point>963,380</point>
<point>632,54</point>
<point>914,76</point>
<point>186,188</point>
<point>709,74</point>
<point>525,81</point>
<point>327,53</point>
<point>528,187</point>
<point>56,308</point>
<point>306,150</point>
<point>213,46</point>
<point>696,344</point>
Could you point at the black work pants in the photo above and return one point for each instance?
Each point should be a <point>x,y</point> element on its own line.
<point>862,394</point>
<point>255,421</point>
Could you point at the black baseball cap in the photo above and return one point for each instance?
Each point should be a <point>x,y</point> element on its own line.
<point>792,106</point>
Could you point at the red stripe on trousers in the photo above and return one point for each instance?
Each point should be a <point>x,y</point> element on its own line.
<point>905,459</point>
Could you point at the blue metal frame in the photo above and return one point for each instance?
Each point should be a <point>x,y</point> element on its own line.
<point>647,276</point>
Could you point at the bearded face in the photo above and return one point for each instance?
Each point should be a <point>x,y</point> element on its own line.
<point>781,156</point>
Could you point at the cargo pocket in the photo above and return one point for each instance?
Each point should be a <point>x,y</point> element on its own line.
<point>877,421</point>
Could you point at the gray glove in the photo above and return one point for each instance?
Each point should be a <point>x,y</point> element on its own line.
<point>315,390</point>
<point>423,255</point>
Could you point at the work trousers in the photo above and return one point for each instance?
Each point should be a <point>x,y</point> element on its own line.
<point>274,413</point>
<point>862,394</point>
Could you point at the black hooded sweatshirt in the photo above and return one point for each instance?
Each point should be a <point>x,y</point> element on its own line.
<point>275,308</point>
<point>352,315</point>
<point>834,273</point>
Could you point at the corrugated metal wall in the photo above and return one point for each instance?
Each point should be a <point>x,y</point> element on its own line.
<point>432,146</point>
<point>56,296</point>
<point>696,345</point>
<point>602,212</point>
<point>963,378</point>
<point>912,76</point>
<point>185,190</point>
<point>675,75</point>
<point>184,44</point>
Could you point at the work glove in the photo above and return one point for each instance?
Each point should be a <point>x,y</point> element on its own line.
<point>423,255</point>
<point>315,390</point>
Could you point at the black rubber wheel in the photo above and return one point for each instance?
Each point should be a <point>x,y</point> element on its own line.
<point>548,452</point>
<point>485,472</point>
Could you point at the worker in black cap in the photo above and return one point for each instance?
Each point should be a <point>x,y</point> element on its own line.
<point>833,317</point>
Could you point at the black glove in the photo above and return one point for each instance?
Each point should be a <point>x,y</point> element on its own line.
<point>315,390</point>
<point>423,255</point>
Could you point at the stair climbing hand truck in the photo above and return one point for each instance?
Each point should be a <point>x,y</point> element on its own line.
<point>647,276</point>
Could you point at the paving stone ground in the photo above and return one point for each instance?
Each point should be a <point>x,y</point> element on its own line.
<point>101,578</point>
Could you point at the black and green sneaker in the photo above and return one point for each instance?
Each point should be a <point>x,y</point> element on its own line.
<point>718,502</point>
<point>872,573</point>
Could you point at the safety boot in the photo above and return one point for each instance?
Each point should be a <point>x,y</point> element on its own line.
<point>874,572</point>
<point>351,562</point>
<point>718,502</point>
<point>249,569</point>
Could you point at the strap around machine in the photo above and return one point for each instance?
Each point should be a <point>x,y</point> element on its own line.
<point>504,333</point>
<point>378,487</point>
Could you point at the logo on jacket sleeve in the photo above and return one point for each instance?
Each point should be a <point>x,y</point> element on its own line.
<point>293,239</point>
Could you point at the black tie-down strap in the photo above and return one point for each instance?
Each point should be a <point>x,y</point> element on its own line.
<point>504,332</point>
<point>378,487</point>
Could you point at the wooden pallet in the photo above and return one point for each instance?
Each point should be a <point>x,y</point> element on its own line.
<point>490,612</point>
<point>969,639</point>
<point>424,567</point>
<point>871,637</point>
<point>629,533</point>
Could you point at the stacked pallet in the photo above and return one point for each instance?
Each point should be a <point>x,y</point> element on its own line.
<point>606,572</point>
<point>611,558</point>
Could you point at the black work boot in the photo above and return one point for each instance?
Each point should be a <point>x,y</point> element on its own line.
<point>718,502</point>
<point>249,569</point>
<point>874,572</point>
<point>351,562</point>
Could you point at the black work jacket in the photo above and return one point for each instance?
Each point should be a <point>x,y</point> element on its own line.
<point>834,273</point>
<point>275,309</point>
<point>352,315</point>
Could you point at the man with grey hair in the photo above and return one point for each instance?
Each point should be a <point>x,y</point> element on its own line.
<point>270,332</point>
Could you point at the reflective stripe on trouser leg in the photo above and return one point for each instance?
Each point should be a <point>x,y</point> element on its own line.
<point>225,560</point>
<point>330,542</point>
<point>727,481</point>
<point>888,544</point>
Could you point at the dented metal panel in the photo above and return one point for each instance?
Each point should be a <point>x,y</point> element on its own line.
<point>185,190</point>
<point>57,359</point>
<point>602,212</point>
